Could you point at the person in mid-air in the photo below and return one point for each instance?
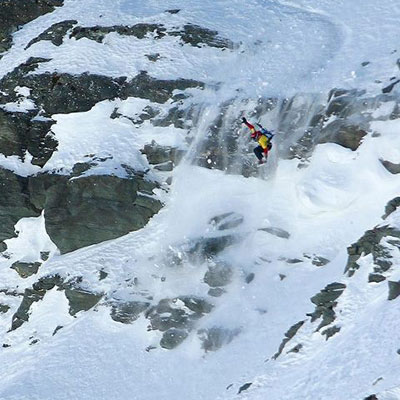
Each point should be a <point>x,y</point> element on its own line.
<point>262,137</point>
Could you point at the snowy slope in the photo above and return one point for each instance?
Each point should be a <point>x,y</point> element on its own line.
<point>282,49</point>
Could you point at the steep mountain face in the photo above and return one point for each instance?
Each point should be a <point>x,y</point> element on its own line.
<point>144,254</point>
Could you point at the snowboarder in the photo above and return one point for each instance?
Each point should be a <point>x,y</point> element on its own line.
<point>262,137</point>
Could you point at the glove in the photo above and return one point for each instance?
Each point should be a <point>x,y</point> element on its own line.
<point>244,120</point>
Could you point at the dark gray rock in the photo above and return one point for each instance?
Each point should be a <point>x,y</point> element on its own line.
<point>4,308</point>
<point>281,233</point>
<point>19,133</point>
<point>14,202</point>
<point>80,299</point>
<point>102,275</point>
<point>244,387</point>
<point>26,270</point>
<point>391,167</point>
<point>81,212</point>
<point>193,35</point>
<point>214,338</point>
<point>369,243</point>
<point>173,313</point>
<point>173,337</point>
<point>349,136</point>
<point>32,295</point>
<point>3,247</point>
<point>55,33</point>
<point>153,57</point>
<point>98,33</point>
<point>157,154</point>
<point>391,207</point>
<point>318,261</point>
<point>325,302</point>
<point>218,274</point>
<point>394,290</point>
<point>331,331</point>
<point>176,117</point>
<point>207,248</point>
<point>296,349</point>
<point>375,278</point>
<point>294,261</point>
<point>44,255</point>
<point>328,295</point>
<point>128,312</point>
<point>250,277</point>
<point>198,36</point>
<point>288,336</point>
<point>389,88</point>
<point>58,327</point>
<point>14,13</point>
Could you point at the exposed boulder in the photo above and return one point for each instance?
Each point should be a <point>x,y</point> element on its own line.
<point>176,318</point>
<point>32,295</point>
<point>88,210</point>
<point>197,36</point>
<point>4,308</point>
<point>128,312</point>
<point>78,212</point>
<point>98,33</point>
<point>216,337</point>
<point>325,302</point>
<point>173,337</point>
<point>349,136</point>
<point>80,299</point>
<point>394,290</point>
<point>193,35</point>
<point>244,387</point>
<point>391,167</point>
<point>331,331</point>
<point>391,207</point>
<point>207,248</point>
<point>369,243</point>
<point>389,88</point>
<point>157,154</point>
<point>26,270</point>
<point>19,133</point>
<point>289,335</point>
<point>55,33</point>
<point>14,202</point>
<point>278,232</point>
<point>375,278</point>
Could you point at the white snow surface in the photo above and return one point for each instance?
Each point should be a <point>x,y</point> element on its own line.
<point>284,48</point>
